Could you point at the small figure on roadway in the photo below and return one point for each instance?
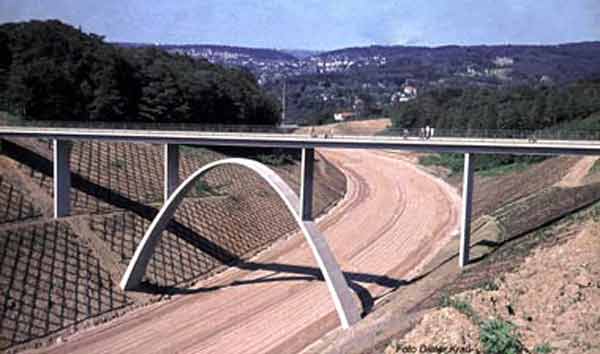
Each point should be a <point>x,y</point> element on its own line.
<point>532,139</point>
<point>405,133</point>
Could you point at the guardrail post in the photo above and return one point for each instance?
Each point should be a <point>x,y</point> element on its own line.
<point>62,178</point>
<point>467,202</point>
<point>171,169</point>
<point>306,183</point>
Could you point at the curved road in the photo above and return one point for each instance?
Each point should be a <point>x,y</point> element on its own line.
<point>392,220</point>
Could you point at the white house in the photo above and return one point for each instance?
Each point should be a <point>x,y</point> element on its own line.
<point>343,116</point>
<point>410,91</point>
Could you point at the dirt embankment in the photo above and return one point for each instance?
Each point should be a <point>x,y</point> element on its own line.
<point>551,304</point>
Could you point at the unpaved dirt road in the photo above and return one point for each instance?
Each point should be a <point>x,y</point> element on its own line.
<point>578,172</point>
<point>393,219</point>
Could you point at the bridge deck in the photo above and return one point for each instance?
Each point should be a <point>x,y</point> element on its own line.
<point>294,140</point>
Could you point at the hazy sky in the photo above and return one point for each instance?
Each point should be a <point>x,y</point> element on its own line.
<point>322,24</point>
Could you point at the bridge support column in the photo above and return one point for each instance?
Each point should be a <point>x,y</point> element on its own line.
<point>62,178</point>
<point>306,183</point>
<point>467,202</point>
<point>171,169</point>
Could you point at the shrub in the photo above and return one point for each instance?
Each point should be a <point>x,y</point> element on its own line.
<point>454,162</point>
<point>499,337</point>
<point>274,159</point>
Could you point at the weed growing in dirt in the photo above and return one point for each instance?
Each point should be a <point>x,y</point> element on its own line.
<point>203,188</point>
<point>499,337</point>
<point>489,285</point>
<point>445,300</point>
<point>593,212</point>
<point>118,163</point>
<point>543,348</point>
<point>206,190</point>
<point>460,305</point>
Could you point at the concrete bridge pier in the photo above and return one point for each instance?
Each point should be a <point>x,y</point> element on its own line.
<point>62,178</point>
<point>467,203</point>
<point>306,183</point>
<point>171,169</point>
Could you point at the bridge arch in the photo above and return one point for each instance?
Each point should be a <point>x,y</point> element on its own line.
<point>345,304</point>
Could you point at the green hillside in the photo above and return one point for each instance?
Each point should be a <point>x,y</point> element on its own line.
<point>52,71</point>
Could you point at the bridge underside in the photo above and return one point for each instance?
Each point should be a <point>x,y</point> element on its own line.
<point>301,208</point>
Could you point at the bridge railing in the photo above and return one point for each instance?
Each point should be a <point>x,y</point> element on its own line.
<point>487,134</point>
<point>156,126</point>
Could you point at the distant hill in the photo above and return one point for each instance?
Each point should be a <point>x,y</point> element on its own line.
<point>231,52</point>
<point>370,79</point>
<point>565,62</point>
<point>494,63</point>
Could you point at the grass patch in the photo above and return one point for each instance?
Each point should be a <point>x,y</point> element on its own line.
<point>543,349</point>
<point>453,162</point>
<point>499,337</point>
<point>505,169</point>
<point>118,163</point>
<point>485,165</point>
<point>595,168</point>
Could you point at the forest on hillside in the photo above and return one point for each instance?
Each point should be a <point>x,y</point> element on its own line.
<point>504,108</point>
<point>52,71</point>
